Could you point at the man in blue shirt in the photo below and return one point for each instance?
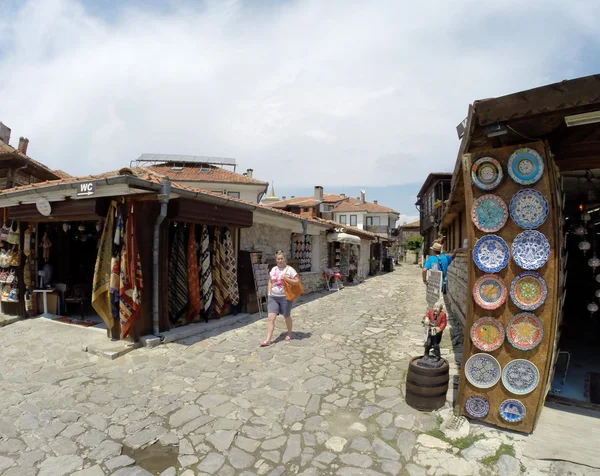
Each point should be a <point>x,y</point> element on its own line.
<point>438,261</point>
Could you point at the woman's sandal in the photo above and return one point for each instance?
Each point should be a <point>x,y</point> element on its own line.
<point>288,337</point>
<point>265,343</point>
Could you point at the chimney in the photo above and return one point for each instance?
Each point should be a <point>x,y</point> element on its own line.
<point>4,133</point>
<point>283,197</point>
<point>362,197</point>
<point>375,202</point>
<point>249,173</point>
<point>23,143</point>
<point>343,195</point>
<point>318,192</point>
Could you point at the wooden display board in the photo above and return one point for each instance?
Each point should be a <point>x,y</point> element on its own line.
<point>541,355</point>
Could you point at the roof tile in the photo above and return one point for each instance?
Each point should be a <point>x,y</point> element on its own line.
<point>355,205</point>
<point>191,173</point>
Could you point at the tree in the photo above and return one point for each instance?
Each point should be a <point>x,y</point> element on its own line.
<point>415,243</point>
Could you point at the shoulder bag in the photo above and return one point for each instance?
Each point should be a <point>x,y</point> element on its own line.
<point>292,291</point>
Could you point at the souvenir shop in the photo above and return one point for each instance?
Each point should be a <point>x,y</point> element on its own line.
<point>344,255</point>
<point>533,292</point>
<point>90,261</point>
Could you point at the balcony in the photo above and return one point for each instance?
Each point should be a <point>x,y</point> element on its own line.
<point>379,229</point>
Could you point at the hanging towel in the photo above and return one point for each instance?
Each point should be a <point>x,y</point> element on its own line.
<point>205,272</point>
<point>101,283</point>
<point>178,278</point>
<point>230,268</point>
<point>132,282</point>
<point>221,290</point>
<point>193,278</point>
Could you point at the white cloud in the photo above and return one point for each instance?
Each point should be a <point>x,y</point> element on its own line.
<point>353,93</point>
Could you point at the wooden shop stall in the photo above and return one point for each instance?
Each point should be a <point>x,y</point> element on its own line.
<point>105,250</point>
<point>528,172</point>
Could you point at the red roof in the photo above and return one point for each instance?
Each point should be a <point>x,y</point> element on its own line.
<point>414,224</point>
<point>62,174</point>
<point>6,149</point>
<point>202,173</point>
<point>355,205</point>
<point>308,201</point>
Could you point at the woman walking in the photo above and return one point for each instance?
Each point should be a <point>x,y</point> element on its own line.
<point>277,302</point>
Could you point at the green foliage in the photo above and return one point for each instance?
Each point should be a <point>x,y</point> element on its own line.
<point>414,243</point>
<point>503,450</point>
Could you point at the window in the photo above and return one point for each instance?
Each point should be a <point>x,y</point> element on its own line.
<point>373,221</point>
<point>327,208</point>
<point>343,219</point>
<point>353,220</point>
<point>233,194</point>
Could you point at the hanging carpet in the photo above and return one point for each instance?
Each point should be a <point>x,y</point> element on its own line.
<point>101,283</point>
<point>178,277</point>
<point>205,272</point>
<point>195,305</point>
<point>115,265</point>
<point>132,281</point>
<point>221,292</point>
<point>229,270</point>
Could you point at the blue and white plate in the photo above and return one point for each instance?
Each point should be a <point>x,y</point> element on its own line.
<point>482,370</point>
<point>491,254</point>
<point>477,406</point>
<point>530,250</point>
<point>520,376</point>
<point>525,166</point>
<point>512,411</point>
<point>528,208</point>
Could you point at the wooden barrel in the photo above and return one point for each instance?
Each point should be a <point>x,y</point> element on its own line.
<point>426,388</point>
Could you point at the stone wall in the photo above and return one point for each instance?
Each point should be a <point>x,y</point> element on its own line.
<point>269,239</point>
<point>363,260</point>
<point>456,297</point>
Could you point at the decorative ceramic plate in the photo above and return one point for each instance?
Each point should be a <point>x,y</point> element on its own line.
<point>487,334</point>
<point>489,292</point>
<point>486,173</point>
<point>491,254</point>
<point>525,166</point>
<point>489,213</point>
<point>525,331</point>
<point>530,249</point>
<point>477,406</point>
<point>529,208</point>
<point>482,370</point>
<point>512,411</point>
<point>528,291</point>
<point>520,376</point>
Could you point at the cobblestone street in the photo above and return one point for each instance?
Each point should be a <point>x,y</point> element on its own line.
<point>330,401</point>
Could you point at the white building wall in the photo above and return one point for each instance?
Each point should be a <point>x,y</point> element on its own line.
<point>365,252</point>
<point>247,192</point>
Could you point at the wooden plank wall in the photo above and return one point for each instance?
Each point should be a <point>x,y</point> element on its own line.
<point>540,356</point>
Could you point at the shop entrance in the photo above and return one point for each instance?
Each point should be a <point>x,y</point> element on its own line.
<point>576,378</point>
<point>67,255</point>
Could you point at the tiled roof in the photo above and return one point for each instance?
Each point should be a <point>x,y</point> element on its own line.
<point>352,230</point>
<point>61,174</point>
<point>192,173</point>
<point>354,205</point>
<point>308,201</point>
<point>6,149</point>
<point>414,224</point>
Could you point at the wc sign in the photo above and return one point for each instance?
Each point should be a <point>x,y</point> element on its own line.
<point>86,189</point>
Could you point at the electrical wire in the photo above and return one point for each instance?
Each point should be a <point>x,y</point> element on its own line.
<point>522,135</point>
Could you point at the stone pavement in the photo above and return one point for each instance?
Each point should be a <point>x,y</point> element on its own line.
<point>329,402</point>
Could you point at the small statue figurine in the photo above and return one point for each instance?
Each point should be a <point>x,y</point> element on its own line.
<point>435,323</point>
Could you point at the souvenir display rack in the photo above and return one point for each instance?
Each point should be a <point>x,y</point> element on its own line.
<point>489,387</point>
<point>302,251</point>
<point>11,257</point>
<point>260,271</point>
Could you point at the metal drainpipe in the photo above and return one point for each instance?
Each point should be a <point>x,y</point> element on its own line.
<point>165,190</point>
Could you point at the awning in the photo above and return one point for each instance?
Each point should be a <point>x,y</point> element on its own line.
<point>343,238</point>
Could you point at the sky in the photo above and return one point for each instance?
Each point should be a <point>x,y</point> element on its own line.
<point>339,93</point>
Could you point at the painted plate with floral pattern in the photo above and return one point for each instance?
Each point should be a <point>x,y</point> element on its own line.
<point>486,173</point>
<point>525,166</point>
<point>520,376</point>
<point>525,331</point>
<point>489,213</point>
<point>491,254</point>
<point>487,334</point>
<point>528,291</point>
<point>512,411</point>
<point>482,371</point>
<point>529,208</point>
<point>489,292</point>
<point>477,406</point>
<point>530,249</point>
